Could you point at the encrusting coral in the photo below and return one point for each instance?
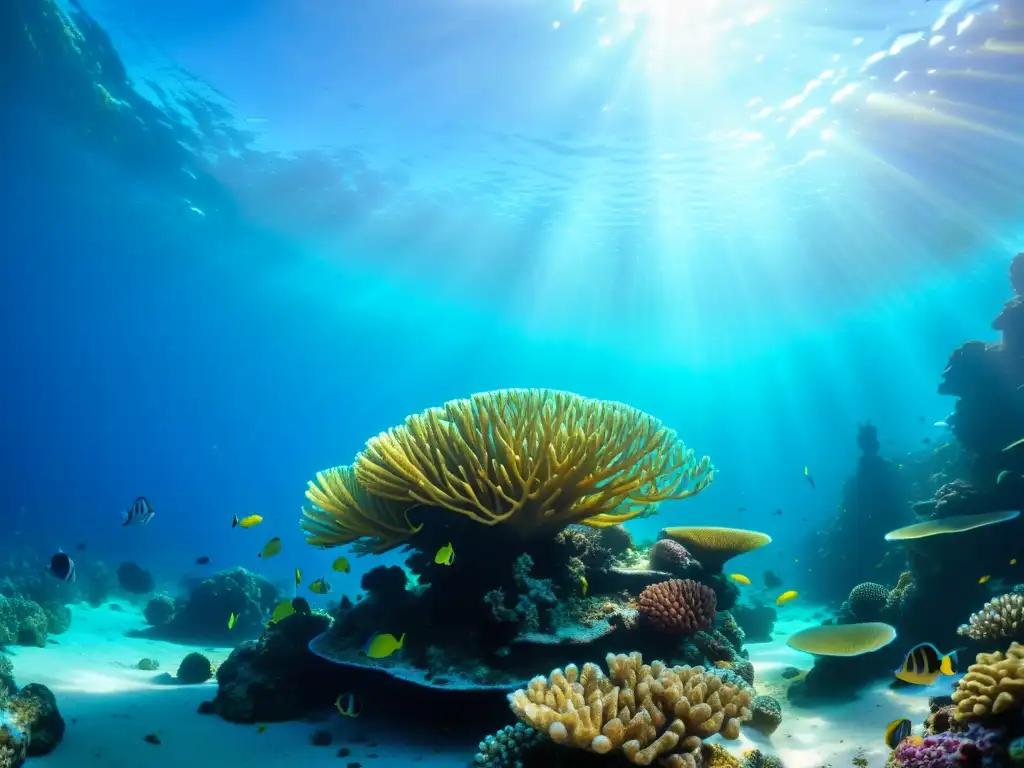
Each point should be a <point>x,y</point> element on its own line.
<point>992,685</point>
<point>999,619</point>
<point>678,605</point>
<point>535,460</point>
<point>649,712</point>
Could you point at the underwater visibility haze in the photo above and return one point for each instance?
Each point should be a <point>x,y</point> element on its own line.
<point>512,383</point>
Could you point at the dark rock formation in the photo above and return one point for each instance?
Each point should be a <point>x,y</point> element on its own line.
<point>34,710</point>
<point>133,578</point>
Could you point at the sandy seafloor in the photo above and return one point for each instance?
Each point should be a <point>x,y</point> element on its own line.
<point>110,707</point>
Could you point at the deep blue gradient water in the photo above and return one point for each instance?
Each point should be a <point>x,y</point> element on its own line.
<point>478,226</point>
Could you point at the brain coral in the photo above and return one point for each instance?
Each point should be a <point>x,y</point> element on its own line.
<point>678,605</point>
<point>767,714</point>
<point>999,619</point>
<point>992,685</point>
<point>649,712</point>
<point>867,601</point>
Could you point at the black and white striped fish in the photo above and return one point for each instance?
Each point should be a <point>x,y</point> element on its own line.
<point>139,513</point>
<point>62,566</point>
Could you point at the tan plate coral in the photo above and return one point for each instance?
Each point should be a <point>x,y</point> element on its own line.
<point>649,712</point>
<point>714,546</point>
<point>993,685</point>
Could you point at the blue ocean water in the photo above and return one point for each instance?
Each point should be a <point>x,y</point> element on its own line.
<point>283,227</point>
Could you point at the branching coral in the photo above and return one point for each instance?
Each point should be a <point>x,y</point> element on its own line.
<point>649,712</point>
<point>344,512</point>
<point>992,685</point>
<point>535,459</point>
<point>678,605</point>
<point>999,619</point>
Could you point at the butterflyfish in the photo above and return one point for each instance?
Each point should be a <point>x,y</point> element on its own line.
<point>739,578</point>
<point>348,705</point>
<point>246,522</point>
<point>896,732</point>
<point>445,555</point>
<point>383,644</point>
<point>985,578</point>
<point>298,577</point>
<point>924,664</point>
<point>139,513</point>
<point>231,621</point>
<point>283,610</point>
<point>320,587</point>
<point>785,597</point>
<point>62,566</point>
<point>271,548</point>
<point>341,565</point>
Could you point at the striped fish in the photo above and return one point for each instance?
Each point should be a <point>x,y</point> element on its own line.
<point>924,664</point>
<point>139,513</point>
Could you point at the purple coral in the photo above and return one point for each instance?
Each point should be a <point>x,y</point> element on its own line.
<point>939,751</point>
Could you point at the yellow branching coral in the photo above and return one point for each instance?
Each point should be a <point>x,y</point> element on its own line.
<point>536,458</point>
<point>344,512</point>
<point>649,712</point>
<point>993,685</point>
<point>999,619</point>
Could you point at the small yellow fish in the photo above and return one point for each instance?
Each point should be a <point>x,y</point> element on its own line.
<point>283,610</point>
<point>261,729</point>
<point>584,585</point>
<point>899,466</point>
<point>341,565</point>
<point>785,597</point>
<point>298,577</point>
<point>231,621</point>
<point>348,705</point>
<point>383,644</point>
<point>1013,561</point>
<point>984,578</point>
<point>445,555</point>
<point>739,578</point>
<point>246,522</point>
<point>271,548</point>
<point>320,587</point>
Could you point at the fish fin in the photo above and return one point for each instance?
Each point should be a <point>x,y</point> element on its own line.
<point>948,665</point>
<point>890,731</point>
<point>401,640</point>
<point>234,521</point>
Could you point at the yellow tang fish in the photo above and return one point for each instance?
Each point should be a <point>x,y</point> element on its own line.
<point>1013,561</point>
<point>584,585</point>
<point>271,548</point>
<point>924,664</point>
<point>383,644</point>
<point>985,578</point>
<point>231,621</point>
<point>298,577</point>
<point>283,610</point>
<point>739,578</point>
<point>320,587</point>
<point>348,705</point>
<point>246,522</point>
<point>445,555</point>
<point>341,565</point>
<point>785,597</point>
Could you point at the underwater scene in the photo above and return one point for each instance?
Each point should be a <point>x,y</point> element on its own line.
<point>512,383</point>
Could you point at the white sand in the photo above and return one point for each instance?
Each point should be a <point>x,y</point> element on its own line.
<point>110,707</point>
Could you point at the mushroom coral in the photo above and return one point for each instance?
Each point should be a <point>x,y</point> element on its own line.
<point>648,712</point>
<point>531,460</point>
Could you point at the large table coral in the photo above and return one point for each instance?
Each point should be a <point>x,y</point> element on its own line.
<point>648,712</point>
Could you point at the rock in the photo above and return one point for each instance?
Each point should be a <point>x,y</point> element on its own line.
<point>159,610</point>
<point>22,622</point>
<point>194,669</point>
<point>276,677</point>
<point>34,710</point>
<point>13,743</point>
<point>135,579</point>
<point>147,665</point>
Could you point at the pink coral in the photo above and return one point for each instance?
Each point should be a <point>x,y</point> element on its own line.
<point>939,751</point>
<point>679,605</point>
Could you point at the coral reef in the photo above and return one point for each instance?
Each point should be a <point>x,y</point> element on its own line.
<point>766,714</point>
<point>867,601</point>
<point>994,684</point>
<point>276,677</point>
<point>679,605</point>
<point>202,616</point>
<point>505,748</point>
<point>672,557</point>
<point>648,712</point>
<point>33,709</point>
<point>13,743</point>
<point>159,610</point>
<point>194,669</point>
<point>757,621</point>
<point>714,546</point>
<point>22,622</point>
<point>1002,618</point>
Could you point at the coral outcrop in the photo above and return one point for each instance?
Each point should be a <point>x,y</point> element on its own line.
<point>195,668</point>
<point>1000,619</point>
<point>159,610</point>
<point>672,557</point>
<point>766,714</point>
<point>22,622</point>
<point>867,601</point>
<point>678,605</point>
<point>993,685</point>
<point>33,709</point>
<point>646,712</point>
